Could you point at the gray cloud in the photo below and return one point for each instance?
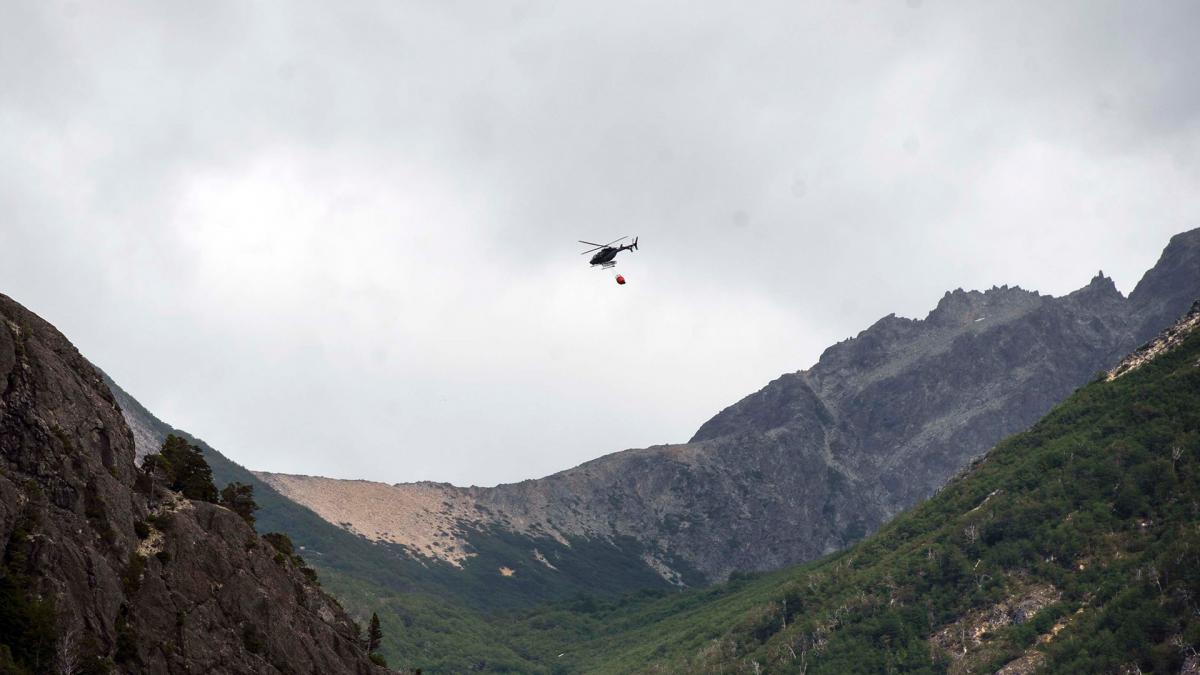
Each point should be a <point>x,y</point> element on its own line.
<point>341,240</point>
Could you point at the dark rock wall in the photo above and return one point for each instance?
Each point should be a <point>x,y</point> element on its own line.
<point>200,592</point>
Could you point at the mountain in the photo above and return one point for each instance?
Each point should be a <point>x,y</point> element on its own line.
<point>1071,547</point>
<point>103,567</point>
<point>814,461</point>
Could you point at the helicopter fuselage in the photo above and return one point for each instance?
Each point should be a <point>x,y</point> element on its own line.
<point>608,253</point>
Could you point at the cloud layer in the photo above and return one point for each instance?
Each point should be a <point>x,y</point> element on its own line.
<point>341,240</point>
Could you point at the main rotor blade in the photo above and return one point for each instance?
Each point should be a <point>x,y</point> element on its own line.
<point>616,240</point>
<point>590,243</point>
<point>591,249</point>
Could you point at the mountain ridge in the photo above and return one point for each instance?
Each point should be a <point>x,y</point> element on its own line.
<point>819,457</point>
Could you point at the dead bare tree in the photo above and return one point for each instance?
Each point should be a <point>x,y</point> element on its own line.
<point>66,653</point>
<point>1152,572</point>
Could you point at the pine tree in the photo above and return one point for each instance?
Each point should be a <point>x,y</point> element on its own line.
<point>239,498</point>
<point>190,474</point>
<point>374,634</point>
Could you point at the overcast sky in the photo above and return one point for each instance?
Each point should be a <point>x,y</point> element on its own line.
<point>339,238</point>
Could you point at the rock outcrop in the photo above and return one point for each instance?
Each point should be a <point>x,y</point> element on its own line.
<point>1166,341</point>
<point>135,576</point>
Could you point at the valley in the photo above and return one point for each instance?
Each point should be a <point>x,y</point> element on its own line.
<point>782,523</point>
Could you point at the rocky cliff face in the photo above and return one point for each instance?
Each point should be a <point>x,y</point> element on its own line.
<point>129,573</point>
<point>817,458</point>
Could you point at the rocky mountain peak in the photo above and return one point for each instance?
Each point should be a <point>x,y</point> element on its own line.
<point>1102,286</point>
<point>1101,296</point>
<point>959,307</point>
<point>1168,286</point>
<point>955,307</point>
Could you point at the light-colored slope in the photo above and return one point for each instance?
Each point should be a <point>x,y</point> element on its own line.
<point>422,517</point>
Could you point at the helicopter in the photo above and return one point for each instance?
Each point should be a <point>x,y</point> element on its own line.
<point>607,253</point>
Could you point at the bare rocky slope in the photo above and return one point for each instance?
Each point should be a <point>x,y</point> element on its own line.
<point>103,567</point>
<point>813,461</point>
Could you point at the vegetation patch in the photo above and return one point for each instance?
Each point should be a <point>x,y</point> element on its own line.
<point>28,630</point>
<point>185,469</point>
<point>131,578</point>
